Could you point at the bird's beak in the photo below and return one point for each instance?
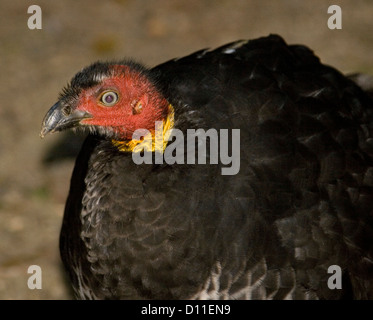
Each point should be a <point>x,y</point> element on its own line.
<point>58,118</point>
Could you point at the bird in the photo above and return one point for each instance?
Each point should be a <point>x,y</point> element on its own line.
<point>294,218</point>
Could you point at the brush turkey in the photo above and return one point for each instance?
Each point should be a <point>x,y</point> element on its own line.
<point>300,203</point>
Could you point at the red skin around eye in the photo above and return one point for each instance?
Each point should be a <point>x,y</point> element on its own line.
<point>131,88</point>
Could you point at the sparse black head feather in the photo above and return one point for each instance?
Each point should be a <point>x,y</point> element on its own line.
<point>93,75</point>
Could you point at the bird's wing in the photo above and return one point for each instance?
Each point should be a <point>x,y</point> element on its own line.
<point>306,163</point>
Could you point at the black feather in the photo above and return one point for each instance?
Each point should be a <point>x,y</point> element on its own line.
<point>301,202</point>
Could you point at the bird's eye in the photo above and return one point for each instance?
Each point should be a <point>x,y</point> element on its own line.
<point>109,98</point>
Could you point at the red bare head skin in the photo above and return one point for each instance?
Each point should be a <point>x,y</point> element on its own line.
<point>134,102</point>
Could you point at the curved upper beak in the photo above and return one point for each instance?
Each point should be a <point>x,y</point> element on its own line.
<point>58,118</point>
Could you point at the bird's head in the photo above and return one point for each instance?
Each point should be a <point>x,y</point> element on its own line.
<point>112,99</point>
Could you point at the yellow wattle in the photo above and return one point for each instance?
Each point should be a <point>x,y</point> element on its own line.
<point>149,142</point>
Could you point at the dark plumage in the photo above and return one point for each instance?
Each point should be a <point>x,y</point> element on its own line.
<point>301,202</point>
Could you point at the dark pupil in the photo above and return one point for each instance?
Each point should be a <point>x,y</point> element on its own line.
<point>109,98</point>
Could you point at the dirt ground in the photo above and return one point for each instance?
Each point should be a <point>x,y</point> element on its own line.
<point>36,64</point>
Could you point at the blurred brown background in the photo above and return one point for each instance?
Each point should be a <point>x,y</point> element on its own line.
<point>36,64</point>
